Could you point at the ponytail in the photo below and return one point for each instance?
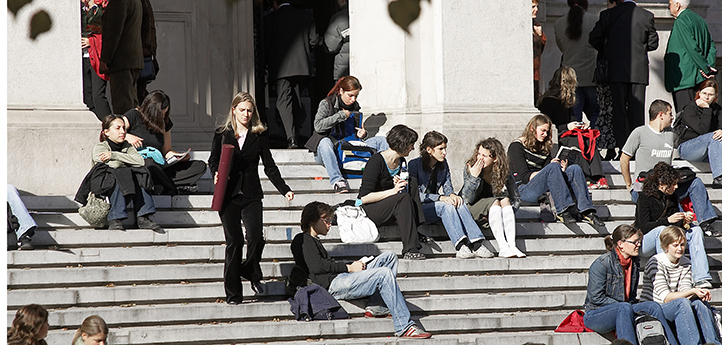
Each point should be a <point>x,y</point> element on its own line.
<point>621,233</point>
<point>575,18</point>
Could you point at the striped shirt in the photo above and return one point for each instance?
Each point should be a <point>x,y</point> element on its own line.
<point>523,162</point>
<point>661,277</point>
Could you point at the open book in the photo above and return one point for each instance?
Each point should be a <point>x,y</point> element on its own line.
<point>177,157</point>
<point>570,154</point>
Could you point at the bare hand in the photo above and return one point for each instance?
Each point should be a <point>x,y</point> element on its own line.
<point>215,178</point>
<point>675,217</point>
<point>103,67</point>
<point>136,141</point>
<point>348,113</point>
<point>475,170</point>
<point>701,103</point>
<point>360,132</point>
<point>708,76</point>
<point>399,184</point>
<point>717,135</point>
<point>702,294</point>
<point>538,30</point>
<point>356,266</point>
<point>105,156</point>
<point>688,217</point>
<point>452,199</point>
<point>84,42</point>
<point>289,195</point>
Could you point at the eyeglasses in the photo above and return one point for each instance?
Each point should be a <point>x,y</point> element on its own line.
<point>636,243</point>
<point>327,220</point>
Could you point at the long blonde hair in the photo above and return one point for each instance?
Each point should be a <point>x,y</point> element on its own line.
<point>91,326</point>
<point>500,169</point>
<point>529,135</point>
<point>563,86</point>
<point>257,126</point>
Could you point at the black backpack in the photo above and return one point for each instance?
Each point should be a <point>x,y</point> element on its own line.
<point>678,128</point>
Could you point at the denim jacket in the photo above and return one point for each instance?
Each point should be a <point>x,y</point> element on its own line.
<point>443,180</point>
<point>606,281</point>
<point>471,190</point>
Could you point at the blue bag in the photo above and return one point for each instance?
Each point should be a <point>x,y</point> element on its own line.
<point>152,152</point>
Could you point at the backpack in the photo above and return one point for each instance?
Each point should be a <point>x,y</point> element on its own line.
<point>649,330</point>
<point>353,154</point>
<point>354,226</point>
<point>678,128</point>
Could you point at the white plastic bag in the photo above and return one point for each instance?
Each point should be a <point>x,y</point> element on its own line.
<point>354,226</point>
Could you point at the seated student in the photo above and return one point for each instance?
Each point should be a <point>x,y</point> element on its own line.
<point>657,208</point>
<point>651,144</point>
<point>612,288</point>
<point>389,195</point>
<point>700,137</point>
<point>668,281</point>
<point>490,192</point>
<point>30,326</point>
<point>116,153</point>
<point>536,172</point>
<point>439,201</point>
<point>149,127</point>
<point>351,280</point>
<point>558,103</point>
<point>331,124</point>
<point>93,331</point>
<point>26,224</point>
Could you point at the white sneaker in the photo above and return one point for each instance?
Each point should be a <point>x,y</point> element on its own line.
<point>464,253</point>
<point>518,252</point>
<point>507,253</point>
<point>482,252</point>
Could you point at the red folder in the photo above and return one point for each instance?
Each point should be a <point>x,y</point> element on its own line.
<point>223,167</point>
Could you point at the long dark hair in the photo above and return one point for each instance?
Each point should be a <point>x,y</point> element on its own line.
<point>621,233</point>
<point>29,319</point>
<point>151,111</point>
<point>663,174</point>
<point>107,121</point>
<point>431,139</point>
<point>575,18</point>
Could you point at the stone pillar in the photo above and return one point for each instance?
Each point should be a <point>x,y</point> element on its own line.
<point>465,70</point>
<point>50,132</point>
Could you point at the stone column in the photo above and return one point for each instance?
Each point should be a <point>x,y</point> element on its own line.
<point>50,132</point>
<point>465,70</point>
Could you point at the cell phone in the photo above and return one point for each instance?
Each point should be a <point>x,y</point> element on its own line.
<point>366,259</point>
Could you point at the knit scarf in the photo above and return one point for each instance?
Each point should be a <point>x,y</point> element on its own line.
<point>627,267</point>
<point>113,145</point>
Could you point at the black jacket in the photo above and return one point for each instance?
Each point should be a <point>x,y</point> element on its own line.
<point>243,174</point>
<point>122,45</point>
<point>653,210</point>
<point>289,34</point>
<point>560,115</point>
<point>309,253</point>
<point>102,178</point>
<point>698,121</point>
<point>313,302</point>
<point>376,178</point>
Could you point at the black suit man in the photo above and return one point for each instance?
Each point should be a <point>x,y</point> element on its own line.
<point>289,34</point>
<point>623,36</point>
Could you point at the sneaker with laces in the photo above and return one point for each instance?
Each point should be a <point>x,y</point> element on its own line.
<point>376,312</point>
<point>482,252</point>
<point>415,332</point>
<point>464,253</point>
<point>340,187</point>
<point>592,218</point>
<point>115,224</point>
<point>601,184</point>
<point>565,217</point>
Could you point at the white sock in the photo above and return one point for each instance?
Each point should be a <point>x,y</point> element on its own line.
<point>509,225</point>
<point>497,226</point>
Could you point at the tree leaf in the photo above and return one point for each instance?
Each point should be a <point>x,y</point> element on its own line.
<point>39,23</point>
<point>404,12</point>
<point>15,5</point>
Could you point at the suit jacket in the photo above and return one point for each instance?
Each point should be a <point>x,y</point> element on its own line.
<point>122,48</point>
<point>290,34</point>
<point>623,35</point>
<point>690,49</point>
<point>243,175</point>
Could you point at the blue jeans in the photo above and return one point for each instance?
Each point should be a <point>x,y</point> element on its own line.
<point>620,317</point>
<point>20,212</point>
<point>682,312</point>
<point>553,179</point>
<point>587,102</point>
<point>697,193</point>
<point>701,149</point>
<point>142,203</point>
<point>458,221</point>
<point>326,155</point>
<point>695,242</point>
<point>379,275</point>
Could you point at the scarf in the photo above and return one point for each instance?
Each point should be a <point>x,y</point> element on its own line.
<point>627,267</point>
<point>114,146</point>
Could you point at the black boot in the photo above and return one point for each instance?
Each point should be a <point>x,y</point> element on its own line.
<point>292,143</point>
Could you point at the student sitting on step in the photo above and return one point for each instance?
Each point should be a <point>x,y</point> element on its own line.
<point>668,281</point>
<point>93,331</point>
<point>439,201</point>
<point>30,326</point>
<point>351,280</point>
<point>651,144</point>
<point>657,208</point>
<point>612,288</point>
<point>490,192</point>
<point>389,195</point>
<point>535,171</point>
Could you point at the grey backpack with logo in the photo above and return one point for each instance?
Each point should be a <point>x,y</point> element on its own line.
<point>649,330</point>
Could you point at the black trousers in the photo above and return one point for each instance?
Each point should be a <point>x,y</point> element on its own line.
<point>123,91</point>
<point>94,91</point>
<point>683,97</point>
<point>251,213</point>
<point>288,103</point>
<point>167,178</point>
<point>592,169</point>
<point>401,209</point>
<point>627,109</point>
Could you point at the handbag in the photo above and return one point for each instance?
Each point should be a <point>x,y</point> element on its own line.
<point>574,323</point>
<point>601,72</point>
<point>95,212</point>
<point>354,226</point>
<point>152,152</point>
<point>587,140</point>
<point>148,72</point>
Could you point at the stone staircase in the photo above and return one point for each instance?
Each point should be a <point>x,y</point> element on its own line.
<point>167,288</point>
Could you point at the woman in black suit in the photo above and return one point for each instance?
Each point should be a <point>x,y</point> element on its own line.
<point>243,129</point>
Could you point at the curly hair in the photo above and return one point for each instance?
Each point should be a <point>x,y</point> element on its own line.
<point>529,135</point>
<point>563,86</point>
<point>29,319</point>
<point>431,140</point>
<point>663,174</point>
<point>500,169</point>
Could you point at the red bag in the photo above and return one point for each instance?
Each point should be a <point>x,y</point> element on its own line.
<point>590,135</point>
<point>574,323</point>
<point>686,204</point>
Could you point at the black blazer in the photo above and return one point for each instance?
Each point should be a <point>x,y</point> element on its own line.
<point>623,35</point>
<point>289,35</point>
<point>122,45</point>
<point>243,175</point>
<point>653,210</point>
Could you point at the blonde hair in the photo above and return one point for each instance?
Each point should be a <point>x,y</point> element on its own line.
<point>91,326</point>
<point>500,169</point>
<point>563,86</point>
<point>671,234</point>
<point>529,135</point>
<point>257,126</point>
